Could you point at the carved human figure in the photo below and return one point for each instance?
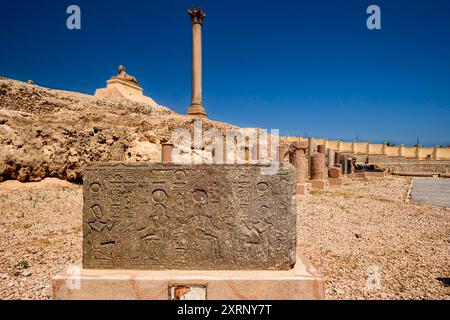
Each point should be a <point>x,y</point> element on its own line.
<point>99,233</point>
<point>203,224</point>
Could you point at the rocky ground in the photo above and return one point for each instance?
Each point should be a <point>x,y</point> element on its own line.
<point>352,234</point>
<point>52,133</point>
<point>40,233</point>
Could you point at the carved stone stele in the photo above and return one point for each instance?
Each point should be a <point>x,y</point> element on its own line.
<point>193,217</point>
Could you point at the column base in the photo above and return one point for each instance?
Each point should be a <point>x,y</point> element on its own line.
<point>319,184</point>
<point>196,110</point>
<point>301,283</point>
<point>336,181</point>
<point>303,188</point>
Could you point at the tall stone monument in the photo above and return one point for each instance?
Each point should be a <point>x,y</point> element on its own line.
<point>196,108</point>
<point>168,231</point>
<point>330,156</point>
<point>311,150</point>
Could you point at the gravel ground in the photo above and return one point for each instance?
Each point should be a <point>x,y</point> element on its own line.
<point>40,226</point>
<point>369,244</point>
<point>351,233</point>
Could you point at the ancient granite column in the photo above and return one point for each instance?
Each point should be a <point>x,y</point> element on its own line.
<point>298,159</point>
<point>318,166</point>
<point>196,108</point>
<point>330,158</point>
<point>310,153</point>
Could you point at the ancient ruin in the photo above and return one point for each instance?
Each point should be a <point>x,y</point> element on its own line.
<point>297,157</point>
<point>189,232</point>
<point>196,108</point>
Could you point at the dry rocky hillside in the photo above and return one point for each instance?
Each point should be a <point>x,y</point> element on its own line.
<point>53,133</point>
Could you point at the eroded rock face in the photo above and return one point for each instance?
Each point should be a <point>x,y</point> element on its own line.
<point>52,133</point>
<point>204,217</point>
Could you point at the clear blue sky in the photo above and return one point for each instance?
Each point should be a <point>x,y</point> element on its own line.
<point>304,67</point>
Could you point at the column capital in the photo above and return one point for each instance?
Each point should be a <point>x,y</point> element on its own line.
<point>197,15</point>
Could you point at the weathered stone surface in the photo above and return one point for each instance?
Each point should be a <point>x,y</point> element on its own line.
<point>337,157</point>
<point>318,166</point>
<point>351,165</point>
<point>344,162</point>
<point>321,149</point>
<point>204,217</point>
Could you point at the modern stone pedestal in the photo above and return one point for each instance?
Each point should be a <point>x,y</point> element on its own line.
<point>303,188</point>
<point>319,184</point>
<point>301,283</point>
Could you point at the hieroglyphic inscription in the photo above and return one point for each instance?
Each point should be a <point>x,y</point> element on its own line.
<point>206,217</point>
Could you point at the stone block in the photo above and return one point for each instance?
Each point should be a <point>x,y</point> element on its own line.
<point>336,181</point>
<point>334,172</point>
<point>303,188</point>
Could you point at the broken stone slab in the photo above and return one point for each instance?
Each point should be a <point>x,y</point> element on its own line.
<point>157,216</point>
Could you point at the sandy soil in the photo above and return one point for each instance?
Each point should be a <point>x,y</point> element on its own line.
<point>365,240</point>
